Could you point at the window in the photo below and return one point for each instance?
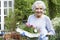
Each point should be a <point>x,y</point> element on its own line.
<point>0,18</point>
<point>5,11</point>
<point>10,10</point>
<point>5,3</point>
<point>0,26</point>
<point>5,26</point>
<point>0,11</point>
<point>10,3</point>
<point>0,3</point>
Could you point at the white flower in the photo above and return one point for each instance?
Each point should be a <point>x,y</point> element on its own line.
<point>35,30</point>
<point>17,23</point>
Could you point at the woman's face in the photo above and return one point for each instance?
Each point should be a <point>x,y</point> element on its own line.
<point>39,10</point>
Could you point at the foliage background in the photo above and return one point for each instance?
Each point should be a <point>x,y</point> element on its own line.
<point>22,9</point>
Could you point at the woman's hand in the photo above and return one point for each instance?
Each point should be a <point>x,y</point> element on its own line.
<point>28,25</point>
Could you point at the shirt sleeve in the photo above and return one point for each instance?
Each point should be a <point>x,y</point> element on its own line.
<point>49,26</point>
<point>28,21</point>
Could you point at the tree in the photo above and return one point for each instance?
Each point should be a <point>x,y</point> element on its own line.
<point>23,9</point>
<point>52,9</point>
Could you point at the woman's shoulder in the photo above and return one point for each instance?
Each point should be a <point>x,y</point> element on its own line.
<point>31,15</point>
<point>46,17</point>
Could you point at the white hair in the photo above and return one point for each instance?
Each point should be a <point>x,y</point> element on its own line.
<point>39,2</point>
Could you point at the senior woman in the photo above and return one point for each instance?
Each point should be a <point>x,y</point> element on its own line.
<point>40,21</point>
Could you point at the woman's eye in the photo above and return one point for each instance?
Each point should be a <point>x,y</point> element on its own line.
<point>41,8</point>
<point>37,8</point>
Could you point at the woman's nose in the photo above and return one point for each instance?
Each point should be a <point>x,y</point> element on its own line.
<point>39,10</point>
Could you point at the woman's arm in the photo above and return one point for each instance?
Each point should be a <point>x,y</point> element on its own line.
<point>49,27</point>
